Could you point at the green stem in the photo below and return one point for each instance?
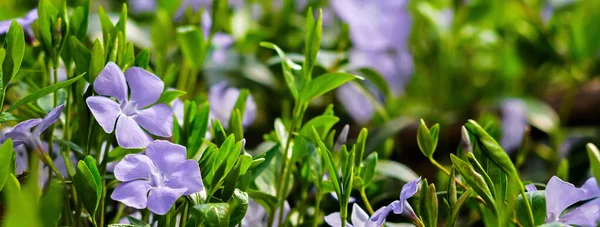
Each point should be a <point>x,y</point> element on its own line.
<point>55,94</point>
<point>363,195</point>
<point>119,213</point>
<point>283,178</point>
<point>317,209</point>
<point>183,219</point>
<point>343,213</point>
<point>102,202</point>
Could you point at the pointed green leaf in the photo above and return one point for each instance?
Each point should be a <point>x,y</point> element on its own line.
<point>7,161</point>
<point>475,180</point>
<point>594,156</point>
<point>42,92</point>
<point>325,83</point>
<point>14,44</point>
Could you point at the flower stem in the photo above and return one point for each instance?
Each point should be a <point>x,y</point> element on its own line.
<point>439,166</point>
<point>317,209</point>
<point>363,195</point>
<point>527,205</point>
<point>102,202</point>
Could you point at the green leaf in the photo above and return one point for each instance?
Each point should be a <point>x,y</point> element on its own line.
<point>287,65</point>
<point>212,214</point>
<point>325,83</point>
<point>97,61</point>
<point>594,156</point>
<point>431,206</point>
<point>81,55</point>
<point>475,180</point>
<point>79,20</point>
<point>395,170</point>
<point>20,204</point>
<point>192,45</point>
<point>88,183</point>
<point>51,205</point>
<point>563,169</point>
<point>119,152</point>
<point>368,168</point>
<point>313,42</point>
<point>492,149</point>
<point>457,205</point>
<point>235,125</point>
<point>238,205</point>
<point>142,60</point>
<point>108,29</point>
<point>14,44</point>
<point>376,79</point>
<point>360,146</point>
<point>7,161</point>
<point>322,123</point>
<point>329,164</point>
<point>198,132</point>
<point>169,96</point>
<point>47,14</point>
<point>42,92</point>
<point>425,140</point>
<point>538,202</point>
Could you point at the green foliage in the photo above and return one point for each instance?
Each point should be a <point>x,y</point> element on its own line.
<point>43,92</point>
<point>428,139</point>
<point>7,162</point>
<point>594,156</point>
<point>88,183</point>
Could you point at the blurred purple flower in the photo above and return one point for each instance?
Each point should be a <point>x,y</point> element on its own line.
<point>22,133</point>
<point>178,110</point>
<point>560,195</point>
<point>222,99</point>
<point>399,206</point>
<point>142,6</point>
<point>356,103</point>
<point>129,113</point>
<point>221,42</point>
<point>24,21</point>
<point>195,5</point>
<point>342,138</point>
<point>256,215</point>
<point>380,42</point>
<point>359,218</point>
<point>158,178</point>
<point>514,122</point>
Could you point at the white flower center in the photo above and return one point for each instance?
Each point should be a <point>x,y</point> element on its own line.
<point>129,108</point>
<point>157,178</point>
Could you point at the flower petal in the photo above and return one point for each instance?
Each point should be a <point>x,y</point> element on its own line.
<point>134,167</point>
<point>130,135</point>
<point>359,217</point>
<point>591,188</point>
<point>409,189</point>
<point>187,176</point>
<point>157,119</point>
<point>132,193</point>
<point>335,220</point>
<point>166,156</point>
<point>586,215</point>
<point>105,110</point>
<point>25,126</point>
<point>145,87</point>
<point>161,199</point>
<point>49,119</point>
<point>530,188</point>
<point>380,215</point>
<point>111,82</point>
<point>514,122</point>
<point>559,196</point>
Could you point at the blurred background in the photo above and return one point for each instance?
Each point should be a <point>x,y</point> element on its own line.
<point>526,69</point>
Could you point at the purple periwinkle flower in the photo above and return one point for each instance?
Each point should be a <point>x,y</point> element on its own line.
<point>22,133</point>
<point>24,21</point>
<point>356,103</point>
<point>560,195</point>
<point>158,178</point>
<point>514,123</point>
<point>399,206</point>
<point>359,218</point>
<point>129,112</point>
<point>222,100</point>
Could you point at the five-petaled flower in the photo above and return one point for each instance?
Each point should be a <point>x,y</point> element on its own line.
<point>22,133</point>
<point>560,195</point>
<point>398,206</point>
<point>158,178</point>
<point>129,113</point>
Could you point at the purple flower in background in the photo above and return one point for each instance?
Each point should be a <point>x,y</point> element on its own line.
<point>221,42</point>
<point>399,206</point>
<point>342,138</point>
<point>142,6</point>
<point>22,133</point>
<point>222,99</point>
<point>560,195</point>
<point>256,215</point>
<point>158,178</point>
<point>380,42</point>
<point>356,103</point>
<point>195,5</point>
<point>24,21</point>
<point>514,122</point>
<point>130,112</point>
<point>178,110</point>
<point>359,218</point>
